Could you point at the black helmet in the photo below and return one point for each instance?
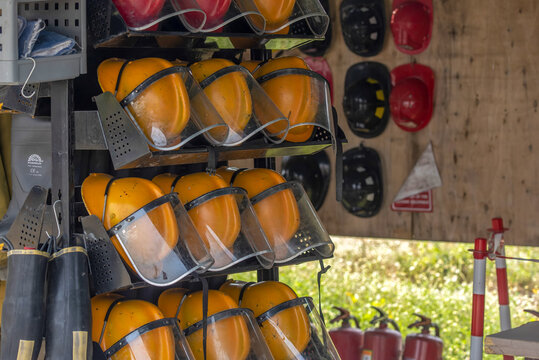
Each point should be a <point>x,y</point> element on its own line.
<point>366,98</point>
<point>363,26</point>
<point>362,182</point>
<point>312,171</point>
<point>319,48</point>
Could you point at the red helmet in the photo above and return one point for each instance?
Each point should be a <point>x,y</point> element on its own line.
<point>411,25</point>
<point>411,100</point>
<point>139,12</point>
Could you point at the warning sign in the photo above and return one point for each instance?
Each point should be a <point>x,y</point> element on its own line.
<point>421,202</point>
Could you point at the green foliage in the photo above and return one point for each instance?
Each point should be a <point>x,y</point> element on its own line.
<point>403,277</point>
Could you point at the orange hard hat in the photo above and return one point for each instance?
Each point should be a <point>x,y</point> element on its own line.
<point>227,338</point>
<point>293,95</point>
<point>285,328</point>
<point>162,110</point>
<point>278,214</point>
<point>229,94</point>
<point>216,218</point>
<point>276,13</point>
<point>125,196</point>
<point>124,318</point>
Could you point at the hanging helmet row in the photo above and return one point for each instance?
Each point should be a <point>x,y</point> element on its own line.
<point>363,25</point>
<point>372,93</point>
<point>273,17</point>
<point>171,104</point>
<point>174,226</point>
<point>241,321</point>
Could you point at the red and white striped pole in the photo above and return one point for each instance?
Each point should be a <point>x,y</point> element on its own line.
<point>478,304</point>
<point>501,279</point>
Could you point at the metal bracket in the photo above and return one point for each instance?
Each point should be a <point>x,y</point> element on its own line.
<point>125,142</point>
<point>107,269</point>
<point>13,100</point>
<point>26,229</point>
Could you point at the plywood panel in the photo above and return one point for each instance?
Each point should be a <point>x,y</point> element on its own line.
<point>484,131</point>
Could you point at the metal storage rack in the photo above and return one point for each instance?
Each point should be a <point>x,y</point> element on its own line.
<point>77,129</point>
<point>67,17</point>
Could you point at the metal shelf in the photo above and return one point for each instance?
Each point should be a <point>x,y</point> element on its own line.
<point>89,136</point>
<point>246,266</point>
<point>253,265</point>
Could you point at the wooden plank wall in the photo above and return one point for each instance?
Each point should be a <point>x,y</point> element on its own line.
<point>485,127</point>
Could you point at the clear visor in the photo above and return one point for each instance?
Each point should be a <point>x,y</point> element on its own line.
<point>169,126</point>
<point>149,16</point>
<point>294,330</point>
<point>305,114</point>
<point>290,222</point>
<point>254,112</point>
<point>310,11</point>
<point>161,243</point>
<point>226,223</point>
<point>159,339</point>
<point>230,334</point>
<point>219,15</point>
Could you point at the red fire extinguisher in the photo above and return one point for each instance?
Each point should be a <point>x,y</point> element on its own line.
<point>347,340</point>
<point>423,346</point>
<point>382,343</point>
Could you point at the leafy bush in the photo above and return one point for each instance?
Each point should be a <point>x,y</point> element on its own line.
<point>403,277</point>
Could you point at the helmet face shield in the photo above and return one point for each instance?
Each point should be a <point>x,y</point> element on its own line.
<point>159,339</point>
<point>279,15</point>
<point>290,222</point>
<point>204,119</point>
<point>294,330</point>
<point>140,15</point>
<point>243,105</point>
<point>161,257</point>
<point>319,47</point>
<point>308,106</point>
<point>231,334</point>
<point>229,228</point>
<point>219,13</point>
<point>168,108</point>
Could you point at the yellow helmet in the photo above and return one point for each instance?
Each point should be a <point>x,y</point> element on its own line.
<point>229,94</point>
<point>125,196</point>
<point>289,327</point>
<point>278,214</point>
<point>162,110</point>
<point>276,13</point>
<point>293,95</point>
<point>227,338</point>
<point>124,317</point>
<point>218,217</point>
